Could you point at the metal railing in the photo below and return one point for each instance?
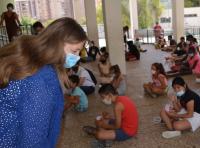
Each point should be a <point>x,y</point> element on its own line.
<point>26,30</point>
<point>147,35</point>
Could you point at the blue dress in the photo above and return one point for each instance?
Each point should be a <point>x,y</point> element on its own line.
<point>31,110</point>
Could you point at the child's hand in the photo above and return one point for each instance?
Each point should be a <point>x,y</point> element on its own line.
<point>173,98</point>
<point>105,115</point>
<point>99,123</point>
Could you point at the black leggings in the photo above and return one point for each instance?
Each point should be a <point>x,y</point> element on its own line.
<point>88,89</point>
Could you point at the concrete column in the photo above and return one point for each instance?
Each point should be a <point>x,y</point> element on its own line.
<point>114,32</point>
<point>91,21</point>
<point>133,16</point>
<point>3,4</point>
<point>79,10</point>
<point>178,18</point>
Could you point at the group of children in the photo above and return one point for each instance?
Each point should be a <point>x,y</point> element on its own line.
<point>182,113</point>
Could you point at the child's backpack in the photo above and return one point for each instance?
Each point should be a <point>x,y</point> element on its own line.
<point>92,76</point>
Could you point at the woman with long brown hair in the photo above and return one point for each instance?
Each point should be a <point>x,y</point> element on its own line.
<point>31,75</point>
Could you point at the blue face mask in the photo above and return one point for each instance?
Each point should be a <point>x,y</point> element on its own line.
<point>71,60</point>
<point>180,93</point>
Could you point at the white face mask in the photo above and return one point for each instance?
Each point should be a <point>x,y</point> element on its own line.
<point>180,93</point>
<point>187,42</point>
<point>153,72</point>
<point>107,101</point>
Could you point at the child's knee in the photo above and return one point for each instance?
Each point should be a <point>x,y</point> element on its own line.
<point>98,135</point>
<point>162,113</point>
<point>177,126</point>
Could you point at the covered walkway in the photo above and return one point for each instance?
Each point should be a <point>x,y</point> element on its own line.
<point>149,134</point>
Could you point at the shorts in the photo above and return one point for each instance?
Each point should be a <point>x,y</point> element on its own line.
<point>120,135</point>
<point>80,109</point>
<point>194,121</point>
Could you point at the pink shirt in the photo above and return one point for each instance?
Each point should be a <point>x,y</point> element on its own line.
<point>192,61</point>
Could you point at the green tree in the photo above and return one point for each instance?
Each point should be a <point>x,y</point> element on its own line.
<point>192,3</point>
<point>124,9</point>
<point>156,8</point>
<point>99,12</point>
<point>144,17</point>
<point>27,20</point>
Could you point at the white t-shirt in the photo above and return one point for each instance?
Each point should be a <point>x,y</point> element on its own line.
<point>83,73</point>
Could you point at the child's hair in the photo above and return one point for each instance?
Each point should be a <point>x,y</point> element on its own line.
<point>10,5</point>
<point>179,81</point>
<point>74,79</point>
<point>115,69</point>
<point>170,37</point>
<point>192,49</point>
<point>103,49</point>
<point>159,68</point>
<point>107,89</point>
<point>37,24</point>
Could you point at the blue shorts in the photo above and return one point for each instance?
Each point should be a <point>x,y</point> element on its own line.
<point>120,135</point>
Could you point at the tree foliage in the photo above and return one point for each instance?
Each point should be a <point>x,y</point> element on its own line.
<point>192,3</point>
<point>149,12</point>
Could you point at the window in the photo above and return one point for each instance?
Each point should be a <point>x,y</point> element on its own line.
<point>165,19</point>
<point>190,15</point>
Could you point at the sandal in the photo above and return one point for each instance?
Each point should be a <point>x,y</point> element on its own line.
<point>89,130</point>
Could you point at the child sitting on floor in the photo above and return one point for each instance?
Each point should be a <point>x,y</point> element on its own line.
<point>123,125</point>
<point>118,80</point>
<point>77,98</point>
<point>159,84</point>
<point>104,69</point>
<point>184,111</point>
<point>194,62</point>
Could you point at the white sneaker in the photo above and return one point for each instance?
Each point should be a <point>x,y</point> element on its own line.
<point>171,134</point>
<point>197,80</point>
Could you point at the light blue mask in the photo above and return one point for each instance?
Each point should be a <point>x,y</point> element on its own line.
<point>180,93</point>
<point>71,60</point>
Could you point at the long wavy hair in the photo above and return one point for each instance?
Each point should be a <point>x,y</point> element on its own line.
<point>26,55</point>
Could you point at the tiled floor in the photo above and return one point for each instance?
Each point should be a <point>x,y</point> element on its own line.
<point>149,135</point>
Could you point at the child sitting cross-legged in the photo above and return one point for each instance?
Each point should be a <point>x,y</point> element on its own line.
<point>159,84</point>
<point>77,98</point>
<point>183,112</point>
<point>123,125</point>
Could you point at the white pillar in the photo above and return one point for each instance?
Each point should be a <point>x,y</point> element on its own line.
<point>114,32</point>
<point>91,21</point>
<point>178,18</point>
<point>133,16</point>
<point>79,10</point>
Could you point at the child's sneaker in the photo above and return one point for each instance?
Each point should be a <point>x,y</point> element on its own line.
<point>171,134</point>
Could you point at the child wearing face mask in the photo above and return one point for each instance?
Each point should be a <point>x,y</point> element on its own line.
<point>123,125</point>
<point>77,98</point>
<point>194,62</point>
<point>159,84</point>
<point>118,81</point>
<point>184,111</point>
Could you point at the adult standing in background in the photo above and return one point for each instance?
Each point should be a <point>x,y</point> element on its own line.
<point>157,31</point>
<point>11,21</point>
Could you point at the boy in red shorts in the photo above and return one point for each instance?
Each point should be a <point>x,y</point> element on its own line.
<point>123,126</point>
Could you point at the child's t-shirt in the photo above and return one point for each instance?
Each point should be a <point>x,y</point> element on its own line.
<point>192,61</point>
<point>83,103</point>
<point>129,117</point>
